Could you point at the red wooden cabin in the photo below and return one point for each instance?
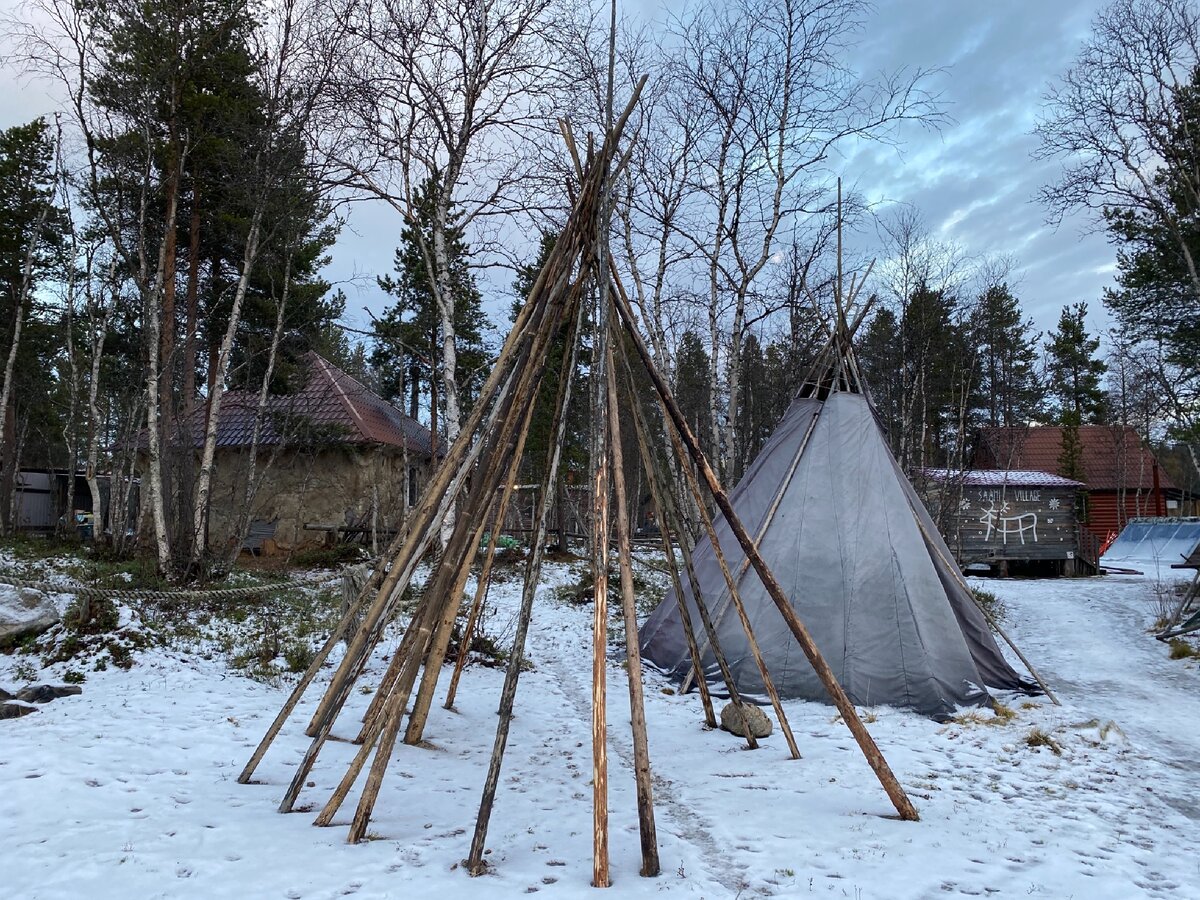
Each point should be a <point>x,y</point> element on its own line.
<point>1122,475</point>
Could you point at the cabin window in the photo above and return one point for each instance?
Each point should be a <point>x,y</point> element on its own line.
<point>413,487</point>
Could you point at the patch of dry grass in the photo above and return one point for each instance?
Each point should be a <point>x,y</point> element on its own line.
<point>1039,738</point>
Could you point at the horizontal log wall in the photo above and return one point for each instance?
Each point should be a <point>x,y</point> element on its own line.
<point>1008,523</point>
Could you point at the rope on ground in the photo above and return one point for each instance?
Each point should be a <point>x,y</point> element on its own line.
<point>220,595</point>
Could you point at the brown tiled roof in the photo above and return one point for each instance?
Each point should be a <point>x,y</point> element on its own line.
<point>330,400</point>
<point>1113,456</point>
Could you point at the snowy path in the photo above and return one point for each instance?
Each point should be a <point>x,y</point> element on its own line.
<point>129,791</point>
<point>1097,651</point>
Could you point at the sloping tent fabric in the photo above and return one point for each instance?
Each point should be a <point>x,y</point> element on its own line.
<point>863,564</point>
<point>1154,545</point>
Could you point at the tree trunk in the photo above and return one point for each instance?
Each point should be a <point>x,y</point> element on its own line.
<point>192,313</point>
<point>18,319</point>
<point>204,476</point>
<point>239,532</point>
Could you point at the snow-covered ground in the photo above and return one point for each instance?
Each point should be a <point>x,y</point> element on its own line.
<point>129,791</point>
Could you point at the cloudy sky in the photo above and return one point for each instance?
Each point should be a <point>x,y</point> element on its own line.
<point>974,182</point>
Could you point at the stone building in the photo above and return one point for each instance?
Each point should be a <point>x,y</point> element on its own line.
<point>332,455</point>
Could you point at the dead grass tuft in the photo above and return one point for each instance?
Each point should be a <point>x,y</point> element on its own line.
<point>1039,738</point>
<point>1181,649</point>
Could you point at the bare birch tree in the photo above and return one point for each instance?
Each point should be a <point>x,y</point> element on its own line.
<point>451,93</point>
<point>768,91</point>
<point>1109,119</point>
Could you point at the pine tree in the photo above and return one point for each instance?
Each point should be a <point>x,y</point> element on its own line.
<point>693,386</point>
<point>1158,296</point>
<point>30,249</point>
<point>767,392</point>
<point>1073,370</point>
<point>575,443</point>
<point>939,389</point>
<point>1009,388</point>
<point>408,335</point>
<point>1074,376</point>
<point>880,358</point>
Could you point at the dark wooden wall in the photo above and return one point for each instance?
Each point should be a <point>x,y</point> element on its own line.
<point>1026,523</point>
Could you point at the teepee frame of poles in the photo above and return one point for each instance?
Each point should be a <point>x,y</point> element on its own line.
<point>467,496</point>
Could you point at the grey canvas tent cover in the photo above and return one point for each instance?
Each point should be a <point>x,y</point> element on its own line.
<point>862,562</point>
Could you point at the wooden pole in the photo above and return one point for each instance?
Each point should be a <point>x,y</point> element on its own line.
<point>685,617</point>
<point>463,541</point>
<point>372,728</point>
<point>481,589</point>
<point>520,376</point>
<point>874,757</point>
<point>991,620</point>
<point>600,876</point>
<point>770,517</point>
<point>736,596</point>
<point>444,489</point>
<point>633,656</point>
<point>433,665</point>
<point>459,546</point>
<point>483,487</point>
<point>475,861</point>
<point>674,523</point>
<point>402,671</point>
<point>387,684</point>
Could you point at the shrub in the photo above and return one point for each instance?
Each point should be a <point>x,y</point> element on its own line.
<point>329,557</point>
<point>1181,649</point>
<point>96,616</point>
<point>990,604</point>
<point>299,656</point>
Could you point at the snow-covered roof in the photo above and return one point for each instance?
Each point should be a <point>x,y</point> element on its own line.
<point>1001,478</point>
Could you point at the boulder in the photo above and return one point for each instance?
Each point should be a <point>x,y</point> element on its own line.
<point>760,726</point>
<point>44,693</point>
<point>5,695</point>
<point>25,612</point>
<point>15,710</point>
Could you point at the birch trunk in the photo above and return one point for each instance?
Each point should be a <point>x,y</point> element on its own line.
<point>714,380</point>
<point>732,437</point>
<point>19,317</point>
<point>243,525</point>
<point>204,476</point>
<point>98,334</point>
<point>70,435</point>
<point>154,486</point>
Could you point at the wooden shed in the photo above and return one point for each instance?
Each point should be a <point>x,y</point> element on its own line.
<point>1016,521</point>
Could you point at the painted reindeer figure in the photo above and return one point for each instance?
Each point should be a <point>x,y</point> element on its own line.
<point>1006,525</point>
